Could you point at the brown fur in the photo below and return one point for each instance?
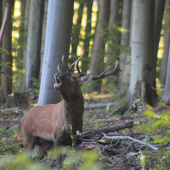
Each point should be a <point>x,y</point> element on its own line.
<point>49,124</point>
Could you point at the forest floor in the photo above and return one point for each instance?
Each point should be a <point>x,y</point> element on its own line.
<point>122,142</point>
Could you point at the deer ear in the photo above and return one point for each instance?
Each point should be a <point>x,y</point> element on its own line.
<point>85,79</point>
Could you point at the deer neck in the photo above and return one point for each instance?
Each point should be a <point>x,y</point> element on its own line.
<point>73,111</point>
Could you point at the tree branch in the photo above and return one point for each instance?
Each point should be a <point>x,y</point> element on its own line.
<point>129,138</point>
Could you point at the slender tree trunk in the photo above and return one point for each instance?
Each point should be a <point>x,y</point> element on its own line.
<point>26,20</point>
<point>1,12</point>
<point>166,43</point>
<point>34,43</point>
<point>85,59</point>
<point>43,35</point>
<point>7,57</point>
<point>125,40</point>
<point>77,28</point>
<point>166,93</point>
<point>113,33</point>
<point>97,59</point>
<point>159,11</point>
<point>58,33</point>
<point>21,29</point>
<point>142,68</point>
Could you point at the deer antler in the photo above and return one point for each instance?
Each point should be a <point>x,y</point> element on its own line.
<point>103,75</point>
<point>68,68</point>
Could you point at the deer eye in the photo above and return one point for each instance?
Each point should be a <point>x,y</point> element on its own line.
<point>74,78</point>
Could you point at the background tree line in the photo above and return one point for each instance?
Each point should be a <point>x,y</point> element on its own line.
<point>39,32</point>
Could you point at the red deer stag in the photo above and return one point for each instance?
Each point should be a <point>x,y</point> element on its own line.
<point>48,125</point>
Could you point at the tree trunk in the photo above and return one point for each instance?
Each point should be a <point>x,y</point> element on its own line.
<point>21,30</point>
<point>1,14</point>
<point>159,11</point>
<point>85,59</point>
<point>57,43</point>
<point>33,43</point>
<point>164,61</point>
<point>166,93</point>
<point>7,57</point>
<point>114,33</point>
<point>26,20</point>
<point>125,39</point>
<point>43,35</point>
<point>142,68</point>
<point>97,59</point>
<point>77,28</point>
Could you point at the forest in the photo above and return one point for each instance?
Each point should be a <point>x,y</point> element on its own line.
<point>85,84</point>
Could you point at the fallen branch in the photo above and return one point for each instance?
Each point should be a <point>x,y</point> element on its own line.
<point>16,110</point>
<point>10,120</point>
<point>112,119</point>
<point>129,138</point>
<point>98,105</point>
<point>108,129</point>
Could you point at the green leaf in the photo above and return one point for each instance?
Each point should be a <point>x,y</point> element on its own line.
<point>165,115</point>
<point>158,123</point>
<point>149,107</point>
<point>149,113</point>
<point>161,139</point>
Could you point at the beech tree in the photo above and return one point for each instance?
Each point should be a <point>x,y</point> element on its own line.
<point>33,43</point>
<point>97,59</point>
<point>125,42</point>
<point>6,86</point>
<point>77,28</point>
<point>43,35</point>
<point>85,59</point>
<point>142,68</point>
<point>166,43</point>
<point>57,43</point>
<point>166,93</point>
<point>26,20</point>
<point>159,11</point>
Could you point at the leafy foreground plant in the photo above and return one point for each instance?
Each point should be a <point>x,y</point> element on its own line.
<point>159,125</point>
<point>74,160</point>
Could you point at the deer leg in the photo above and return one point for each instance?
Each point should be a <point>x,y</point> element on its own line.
<point>60,158</point>
<point>29,145</point>
<point>44,148</point>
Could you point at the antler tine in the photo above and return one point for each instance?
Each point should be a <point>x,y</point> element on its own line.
<point>68,68</point>
<point>65,63</point>
<point>77,65</point>
<point>71,66</point>
<point>103,75</point>
<point>58,68</point>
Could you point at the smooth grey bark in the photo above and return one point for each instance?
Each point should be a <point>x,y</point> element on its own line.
<point>125,40</point>
<point>77,28</point>
<point>21,30</point>
<point>33,43</point>
<point>43,35</point>
<point>166,93</point>
<point>26,20</point>
<point>1,9</point>
<point>166,43</point>
<point>113,34</point>
<point>86,59</point>
<point>6,87</point>
<point>159,11</point>
<point>113,18</point>
<point>97,59</point>
<point>142,70</point>
<point>57,43</point>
